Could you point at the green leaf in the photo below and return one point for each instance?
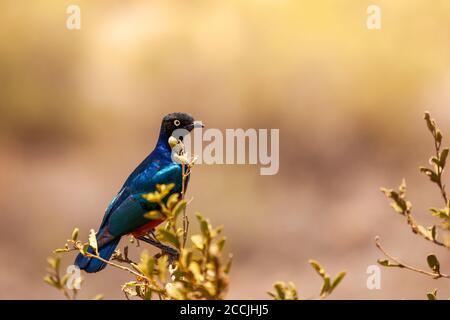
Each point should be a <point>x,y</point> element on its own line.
<point>153,215</point>
<point>152,197</point>
<point>186,257</point>
<point>438,137</point>
<point>150,265</point>
<point>432,295</point>
<point>146,264</point>
<point>54,262</point>
<point>435,161</point>
<point>162,267</point>
<point>196,271</point>
<point>85,248</point>
<point>434,177</point>
<point>293,295</point>
<point>75,233</point>
<point>148,294</point>
<point>284,292</point>
<point>443,157</point>
<point>433,263</point>
<point>388,263</point>
<point>172,201</point>
<point>273,295</point>
<point>221,243</point>
<point>337,280</point>
<point>180,206</point>
<point>168,237</point>
<point>227,267</point>
<point>426,232</point>
<point>316,266</point>
<point>215,232</point>
<point>402,188</point>
<point>279,288</point>
<point>387,192</point>
<point>397,208</point>
<point>399,204</point>
<point>433,233</point>
<point>164,189</point>
<point>51,281</point>
<point>65,278</point>
<point>205,227</point>
<point>198,241</point>
<point>443,213</point>
<point>430,122</point>
<point>93,241</point>
<point>130,284</point>
<point>326,287</point>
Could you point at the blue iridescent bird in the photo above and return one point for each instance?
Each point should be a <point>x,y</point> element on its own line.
<point>125,214</point>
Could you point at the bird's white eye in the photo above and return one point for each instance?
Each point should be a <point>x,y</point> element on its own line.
<point>176,122</point>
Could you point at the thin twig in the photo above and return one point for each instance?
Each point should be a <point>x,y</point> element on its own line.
<point>185,174</point>
<point>137,274</point>
<point>405,266</point>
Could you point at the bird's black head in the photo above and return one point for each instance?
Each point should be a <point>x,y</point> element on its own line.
<point>178,120</point>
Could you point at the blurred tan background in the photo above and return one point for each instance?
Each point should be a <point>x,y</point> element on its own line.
<point>80,109</point>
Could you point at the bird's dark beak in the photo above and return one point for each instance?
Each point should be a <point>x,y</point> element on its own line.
<point>198,124</point>
<point>193,125</point>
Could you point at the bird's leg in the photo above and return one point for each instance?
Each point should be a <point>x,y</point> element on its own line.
<point>152,234</point>
<point>171,252</point>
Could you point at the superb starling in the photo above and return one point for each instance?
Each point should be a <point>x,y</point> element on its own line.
<point>125,214</point>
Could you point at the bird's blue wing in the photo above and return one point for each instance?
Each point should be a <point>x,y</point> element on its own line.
<point>127,213</point>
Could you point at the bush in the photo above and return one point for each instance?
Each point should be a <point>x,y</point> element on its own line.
<point>191,270</point>
<point>403,206</point>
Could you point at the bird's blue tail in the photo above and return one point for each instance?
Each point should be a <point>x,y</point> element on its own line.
<point>91,265</point>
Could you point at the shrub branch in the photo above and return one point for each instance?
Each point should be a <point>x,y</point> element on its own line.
<point>394,262</point>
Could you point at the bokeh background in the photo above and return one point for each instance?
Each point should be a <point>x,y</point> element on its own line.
<point>80,109</point>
